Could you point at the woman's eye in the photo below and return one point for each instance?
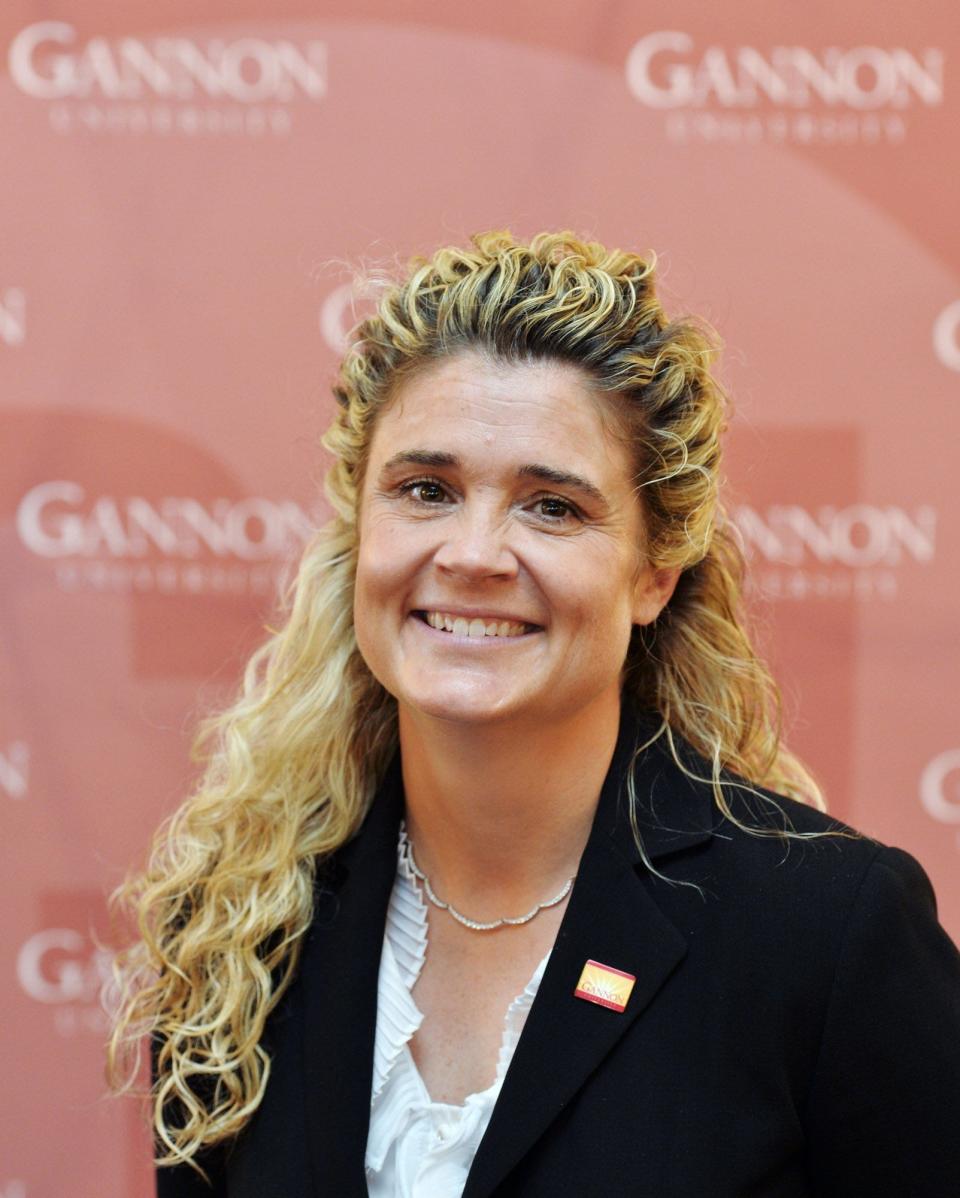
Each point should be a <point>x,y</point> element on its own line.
<point>556,509</point>
<point>424,490</point>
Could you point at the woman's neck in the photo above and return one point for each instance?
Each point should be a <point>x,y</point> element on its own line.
<point>499,813</point>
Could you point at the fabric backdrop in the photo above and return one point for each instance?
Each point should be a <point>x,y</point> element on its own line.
<point>188,186</point>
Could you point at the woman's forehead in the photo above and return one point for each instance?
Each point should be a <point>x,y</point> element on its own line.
<point>469,403</point>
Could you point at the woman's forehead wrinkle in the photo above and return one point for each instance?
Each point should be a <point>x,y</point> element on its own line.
<point>556,420</point>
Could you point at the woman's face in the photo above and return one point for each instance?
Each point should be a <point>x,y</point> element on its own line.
<point>495,499</point>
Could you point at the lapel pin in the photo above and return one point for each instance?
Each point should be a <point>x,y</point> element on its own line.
<point>604,985</point>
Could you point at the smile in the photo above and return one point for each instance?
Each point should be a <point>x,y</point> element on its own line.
<point>477,628</point>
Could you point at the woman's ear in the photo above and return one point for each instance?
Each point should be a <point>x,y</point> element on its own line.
<point>653,591</point>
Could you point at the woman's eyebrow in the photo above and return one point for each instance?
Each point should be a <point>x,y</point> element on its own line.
<point>562,478</point>
<point>421,457</point>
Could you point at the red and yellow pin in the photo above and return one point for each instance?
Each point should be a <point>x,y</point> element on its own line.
<point>604,985</point>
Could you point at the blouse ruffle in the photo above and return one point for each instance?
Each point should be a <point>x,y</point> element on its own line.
<point>416,1146</point>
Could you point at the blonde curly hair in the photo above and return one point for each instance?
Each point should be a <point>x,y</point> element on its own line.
<point>292,766</point>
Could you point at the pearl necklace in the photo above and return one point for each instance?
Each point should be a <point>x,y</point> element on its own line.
<point>473,924</point>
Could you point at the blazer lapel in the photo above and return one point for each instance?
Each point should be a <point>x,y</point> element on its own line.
<point>340,974</point>
<point>612,919</point>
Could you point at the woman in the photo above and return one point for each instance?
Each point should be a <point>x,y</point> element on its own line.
<point>500,879</point>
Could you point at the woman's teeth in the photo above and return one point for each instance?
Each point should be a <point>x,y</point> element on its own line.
<point>461,626</point>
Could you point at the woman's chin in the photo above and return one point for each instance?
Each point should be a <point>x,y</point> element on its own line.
<point>459,706</point>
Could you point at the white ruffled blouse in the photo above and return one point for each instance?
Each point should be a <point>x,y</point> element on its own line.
<point>417,1148</point>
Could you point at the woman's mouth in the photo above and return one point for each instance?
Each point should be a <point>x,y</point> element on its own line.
<point>475,627</point>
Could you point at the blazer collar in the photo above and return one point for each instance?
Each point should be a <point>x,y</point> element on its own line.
<point>339,973</point>
<point>611,918</point>
<point>674,811</point>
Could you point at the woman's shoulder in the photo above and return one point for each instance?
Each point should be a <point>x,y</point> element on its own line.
<point>815,861</point>
<point>762,843</point>
<point>811,896</point>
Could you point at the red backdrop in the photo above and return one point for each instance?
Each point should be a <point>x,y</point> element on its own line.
<point>184,183</point>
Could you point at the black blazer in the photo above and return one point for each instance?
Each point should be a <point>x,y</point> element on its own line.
<point>794,1028</point>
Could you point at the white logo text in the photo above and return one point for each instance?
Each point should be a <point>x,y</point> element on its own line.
<point>55,519</point>
<point>15,769</point>
<point>933,787</point>
<point>946,336</point>
<point>58,965</point>
<point>664,71</point>
<point>860,535</point>
<point>13,316</point>
<point>45,62</point>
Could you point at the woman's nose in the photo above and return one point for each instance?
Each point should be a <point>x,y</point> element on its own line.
<point>475,546</point>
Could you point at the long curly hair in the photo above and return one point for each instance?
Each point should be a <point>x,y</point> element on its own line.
<point>292,766</point>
